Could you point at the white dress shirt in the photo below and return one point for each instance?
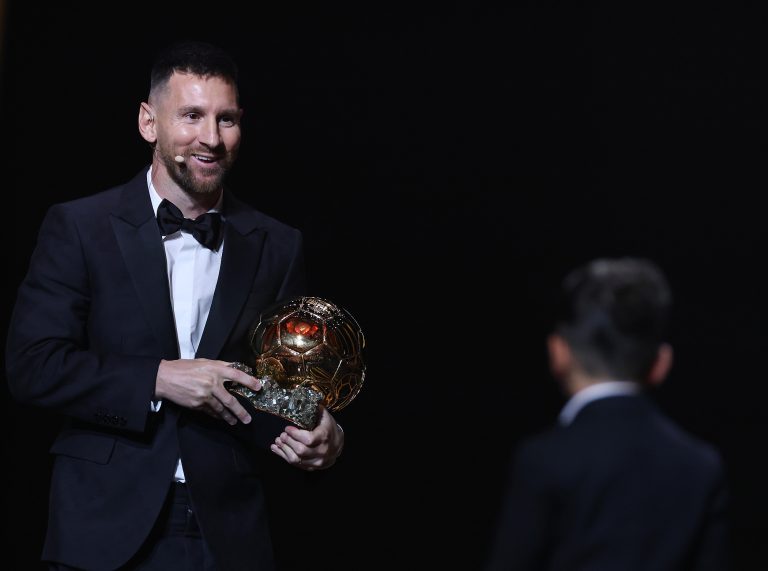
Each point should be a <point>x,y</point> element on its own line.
<point>193,271</point>
<point>592,393</point>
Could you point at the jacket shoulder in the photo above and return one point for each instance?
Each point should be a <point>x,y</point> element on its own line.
<point>104,200</point>
<point>246,217</point>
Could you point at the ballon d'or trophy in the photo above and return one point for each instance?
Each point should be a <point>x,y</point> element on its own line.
<point>307,352</point>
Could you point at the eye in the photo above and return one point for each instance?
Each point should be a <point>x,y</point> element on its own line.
<point>227,121</point>
<point>192,116</point>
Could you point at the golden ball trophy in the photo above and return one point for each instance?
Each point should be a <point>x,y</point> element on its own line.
<point>307,352</point>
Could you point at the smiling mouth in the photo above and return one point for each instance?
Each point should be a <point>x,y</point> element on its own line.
<point>205,158</point>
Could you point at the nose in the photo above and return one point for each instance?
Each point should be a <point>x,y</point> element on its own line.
<point>209,134</point>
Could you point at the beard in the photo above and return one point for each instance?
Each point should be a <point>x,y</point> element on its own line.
<point>194,184</point>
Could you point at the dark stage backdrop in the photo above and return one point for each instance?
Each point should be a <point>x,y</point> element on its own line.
<point>447,163</point>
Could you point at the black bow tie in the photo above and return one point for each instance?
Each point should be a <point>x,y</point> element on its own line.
<point>206,228</point>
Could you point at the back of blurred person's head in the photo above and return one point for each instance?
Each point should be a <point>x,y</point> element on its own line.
<point>613,316</point>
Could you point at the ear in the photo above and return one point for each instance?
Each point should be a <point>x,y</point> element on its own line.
<point>661,365</point>
<point>147,123</point>
<point>560,356</point>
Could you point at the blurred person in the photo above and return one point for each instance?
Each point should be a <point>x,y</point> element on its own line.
<point>616,485</point>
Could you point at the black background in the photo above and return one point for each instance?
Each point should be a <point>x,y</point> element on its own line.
<point>447,163</point>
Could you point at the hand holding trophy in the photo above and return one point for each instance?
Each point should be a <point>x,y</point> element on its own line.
<point>307,352</point>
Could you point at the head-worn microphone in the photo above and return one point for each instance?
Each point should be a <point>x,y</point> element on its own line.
<point>178,159</point>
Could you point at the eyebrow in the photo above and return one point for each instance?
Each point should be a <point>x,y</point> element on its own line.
<point>201,111</point>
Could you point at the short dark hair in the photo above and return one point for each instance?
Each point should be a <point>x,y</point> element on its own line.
<point>614,314</point>
<point>195,57</point>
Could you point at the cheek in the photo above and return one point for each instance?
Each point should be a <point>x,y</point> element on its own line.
<point>231,139</point>
<point>184,134</point>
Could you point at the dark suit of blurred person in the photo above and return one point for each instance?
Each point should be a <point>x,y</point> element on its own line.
<point>616,485</point>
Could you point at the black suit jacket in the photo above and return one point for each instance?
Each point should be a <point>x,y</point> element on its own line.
<point>621,488</point>
<point>91,323</point>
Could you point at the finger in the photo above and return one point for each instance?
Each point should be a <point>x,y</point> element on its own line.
<point>318,454</point>
<point>295,451</point>
<point>298,446</point>
<point>286,453</point>
<point>318,434</point>
<point>227,417</point>
<point>219,412</point>
<point>235,375</point>
<point>301,436</point>
<point>251,382</point>
<point>230,405</point>
<point>278,451</point>
<point>326,421</point>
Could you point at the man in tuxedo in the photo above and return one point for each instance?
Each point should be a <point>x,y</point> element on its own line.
<point>616,484</point>
<point>136,302</point>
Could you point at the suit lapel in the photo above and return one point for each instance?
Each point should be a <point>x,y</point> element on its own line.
<point>141,245</point>
<point>243,243</point>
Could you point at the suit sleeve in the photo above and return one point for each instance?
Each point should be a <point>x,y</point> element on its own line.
<point>519,541</point>
<point>49,359</point>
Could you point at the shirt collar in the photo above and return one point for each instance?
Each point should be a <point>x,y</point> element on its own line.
<point>592,393</point>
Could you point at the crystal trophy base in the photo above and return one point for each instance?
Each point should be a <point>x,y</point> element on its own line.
<point>298,404</point>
